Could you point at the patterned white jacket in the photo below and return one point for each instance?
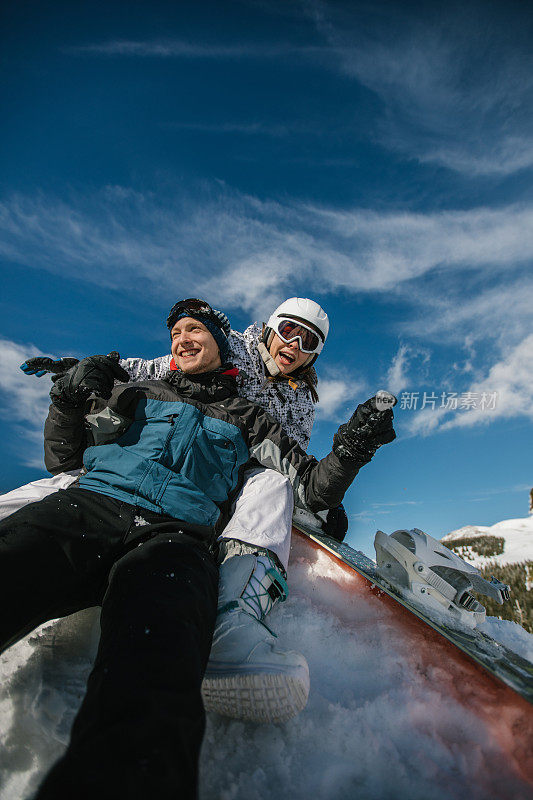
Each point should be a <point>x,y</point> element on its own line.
<point>293,408</point>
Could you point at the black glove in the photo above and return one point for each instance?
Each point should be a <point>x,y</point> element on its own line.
<point>369,428</point>
<point>336,524</point>
<point>93,375</point>
<point>40,365</point>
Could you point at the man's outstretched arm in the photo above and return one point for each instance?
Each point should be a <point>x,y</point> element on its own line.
<point>138,369</point>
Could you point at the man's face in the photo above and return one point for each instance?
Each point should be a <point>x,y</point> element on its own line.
<point>288,357</point>
<point>193,347</point>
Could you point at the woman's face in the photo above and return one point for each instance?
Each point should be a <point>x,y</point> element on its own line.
<point>288,357</point>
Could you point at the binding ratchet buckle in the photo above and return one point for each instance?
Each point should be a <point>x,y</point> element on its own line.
<point>502,588</point>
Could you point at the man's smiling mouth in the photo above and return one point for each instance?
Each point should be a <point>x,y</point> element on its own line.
<point>189,353</point>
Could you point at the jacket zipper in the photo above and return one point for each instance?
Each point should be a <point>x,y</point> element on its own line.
<point>170,420</point>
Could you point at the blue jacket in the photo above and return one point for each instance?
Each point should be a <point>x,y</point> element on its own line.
<point>173,458</point>
<point>179,446</point>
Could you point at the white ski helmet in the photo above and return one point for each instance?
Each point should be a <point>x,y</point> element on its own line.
<point>300,308</point>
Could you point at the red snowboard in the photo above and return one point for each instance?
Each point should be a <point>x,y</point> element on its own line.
<point>506,716</point>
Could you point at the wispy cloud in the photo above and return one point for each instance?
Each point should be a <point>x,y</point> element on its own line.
<point>244,128</point>
<point>338,397</point>
<point>456,82</point>
<point>511,154</point>
<point>395,247</point>
<point>382,509</point>
<point>211,241</point>
<point>25,400</point>
<point>179,48</point>
<point>398,377</point>
<point>244,253</point>
<point>399,503</point>
<point>520,487</point>
<point>508,381</point>
<point>468,313</point>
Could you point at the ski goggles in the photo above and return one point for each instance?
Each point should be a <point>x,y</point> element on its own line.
<point>309,341</point>
<point>193,307</point>
<point>192,304</point>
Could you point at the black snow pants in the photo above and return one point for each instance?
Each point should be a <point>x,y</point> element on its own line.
<point>139,730</point>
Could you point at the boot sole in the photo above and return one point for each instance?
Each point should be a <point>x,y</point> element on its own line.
<point>259,697</point>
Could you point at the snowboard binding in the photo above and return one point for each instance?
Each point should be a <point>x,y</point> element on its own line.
<point>423,569</point>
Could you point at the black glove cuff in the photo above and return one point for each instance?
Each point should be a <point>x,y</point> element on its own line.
<point>336,524</point>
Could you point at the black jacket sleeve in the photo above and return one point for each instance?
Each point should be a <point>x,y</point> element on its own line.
<point>69,431</point>
<point>65,439</point>
<point>317,485</point>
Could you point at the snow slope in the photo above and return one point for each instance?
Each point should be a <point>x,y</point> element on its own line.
<point>377,726</point>
<point>517,535</point>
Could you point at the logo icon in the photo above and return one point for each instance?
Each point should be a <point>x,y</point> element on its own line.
<point>385,400</point>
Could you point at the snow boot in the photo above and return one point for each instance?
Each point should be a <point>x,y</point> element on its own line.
<point>248,677</point>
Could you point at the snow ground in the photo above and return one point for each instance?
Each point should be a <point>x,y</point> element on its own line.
<point>518,545</point>
<point>375,728</point>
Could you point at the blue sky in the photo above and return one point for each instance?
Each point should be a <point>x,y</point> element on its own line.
<point>377,158</point>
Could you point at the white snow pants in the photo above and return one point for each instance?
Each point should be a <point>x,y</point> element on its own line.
<point>34,491</point>
<point>262,511</point>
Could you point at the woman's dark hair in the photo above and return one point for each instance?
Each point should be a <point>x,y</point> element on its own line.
<point>307,375</point>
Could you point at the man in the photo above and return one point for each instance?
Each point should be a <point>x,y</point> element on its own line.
<point>276,370</point>
<point>136,536</point>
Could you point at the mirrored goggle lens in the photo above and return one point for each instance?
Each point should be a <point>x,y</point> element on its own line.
<point>289,329</point>
<point>193,304</point>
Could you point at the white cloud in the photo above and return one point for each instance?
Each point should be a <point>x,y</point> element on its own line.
<point>466,314</point>
<point>399,503</point>
<point>520,487</point>
<point>254,283</point>
<point>178,48</point>
<point>396,378</point>
<point>508,392</point>
<point>382,509</point>
<point>511,154</point>
<point>25,399</point>
<point>340,394</point>
<point>397,375</point>
<point>249,253</point>
<point>244,128</point>
<point>442,102</point>
<point>333,395</point>
<point>382,250</point>
<point>241,252</point>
